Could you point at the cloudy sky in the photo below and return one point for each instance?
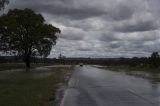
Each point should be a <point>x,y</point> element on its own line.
<point>101,28</point>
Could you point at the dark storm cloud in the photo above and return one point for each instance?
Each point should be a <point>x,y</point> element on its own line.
<point>73,13</point>
<point>75,9</point>
<point>120,12</point>
<point>101,28</point>
<point>69,8</point>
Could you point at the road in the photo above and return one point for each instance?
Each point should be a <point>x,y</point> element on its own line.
<point>90,86</point>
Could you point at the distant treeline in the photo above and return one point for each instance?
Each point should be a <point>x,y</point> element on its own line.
<point>153,60</point>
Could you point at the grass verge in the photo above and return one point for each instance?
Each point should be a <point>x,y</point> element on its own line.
<point>9,66</point>
<point>131,68</point>
<point>31,88</point>
<point>142,72</point>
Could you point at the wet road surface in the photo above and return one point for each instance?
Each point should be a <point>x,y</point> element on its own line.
<point>90,86</point>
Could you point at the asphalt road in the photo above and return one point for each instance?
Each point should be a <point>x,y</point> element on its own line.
<point>90,86</point>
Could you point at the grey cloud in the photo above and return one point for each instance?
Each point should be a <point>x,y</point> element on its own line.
<point>108,36</point>
<point>138,26</point>
<point>72,34</point>
<point>135,37</point>
<point>70,37</point>
<point>84,49</point>
<point>115,45</point>
<point>120,12</point>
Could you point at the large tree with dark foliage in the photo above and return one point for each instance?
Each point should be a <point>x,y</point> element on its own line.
<point>25,33</point>
<point>2,3</point>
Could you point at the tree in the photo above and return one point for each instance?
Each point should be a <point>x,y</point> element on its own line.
<point>61,56</point>
<point>25,33</point>
<point>2,3</point>
<point>154,59</point>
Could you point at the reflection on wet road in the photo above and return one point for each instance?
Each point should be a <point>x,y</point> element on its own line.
<point>91,86</point>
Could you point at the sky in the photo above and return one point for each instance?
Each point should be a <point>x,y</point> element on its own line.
<point>100,28</point>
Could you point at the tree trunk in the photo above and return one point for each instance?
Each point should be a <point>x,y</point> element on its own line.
<point>27,61</point>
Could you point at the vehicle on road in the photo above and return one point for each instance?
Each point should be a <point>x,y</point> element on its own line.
<point>81,64</point>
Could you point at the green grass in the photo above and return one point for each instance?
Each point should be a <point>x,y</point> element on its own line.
<point>29,89</point>
<point>9,66</point>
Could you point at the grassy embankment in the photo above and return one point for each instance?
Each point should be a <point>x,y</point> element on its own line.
<point>35,88</point>
<point>133,68</point>
<point>137,71</point>
<point>9,66</point>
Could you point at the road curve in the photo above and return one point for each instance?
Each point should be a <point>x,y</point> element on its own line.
<point>91,86</point>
